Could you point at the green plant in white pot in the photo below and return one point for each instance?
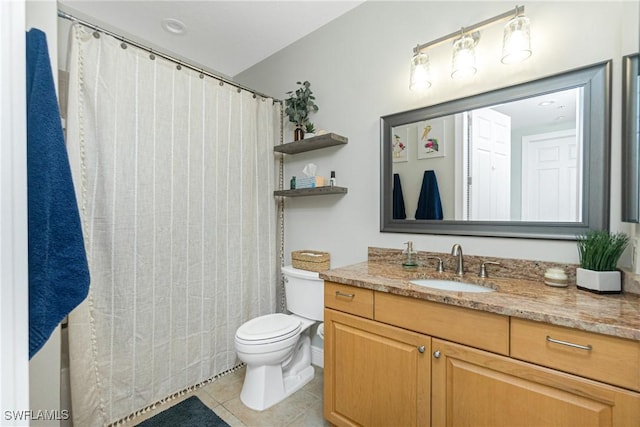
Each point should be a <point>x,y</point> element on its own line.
<point>309,130</point>
<point>599,252</point>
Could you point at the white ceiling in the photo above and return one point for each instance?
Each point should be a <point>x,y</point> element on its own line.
<point>551,109</point>
<point>225,37</point>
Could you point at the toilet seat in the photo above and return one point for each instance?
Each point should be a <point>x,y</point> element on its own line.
<point>268,329</point>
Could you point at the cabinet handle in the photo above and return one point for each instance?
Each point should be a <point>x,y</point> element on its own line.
<point>421,349</point>
<point>341,294</point>
<point>569,344</point>
<point>436,354</point>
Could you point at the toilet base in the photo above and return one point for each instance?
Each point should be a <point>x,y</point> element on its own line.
<point>266,385</point>
<point>294,383</point>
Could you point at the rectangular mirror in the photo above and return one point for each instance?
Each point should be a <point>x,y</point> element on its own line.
<point>530,160</point>
<point>630,138</point>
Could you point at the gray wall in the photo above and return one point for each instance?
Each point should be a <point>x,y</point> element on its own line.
<point>359,68</point>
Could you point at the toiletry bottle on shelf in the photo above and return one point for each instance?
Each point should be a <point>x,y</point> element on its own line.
<point>410,256</point>
<point>292,183</point>
<point>332,180</point>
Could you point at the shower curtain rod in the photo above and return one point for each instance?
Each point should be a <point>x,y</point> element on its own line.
<point>222,80</point>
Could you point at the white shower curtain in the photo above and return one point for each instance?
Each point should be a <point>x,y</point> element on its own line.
<point>175,175</point>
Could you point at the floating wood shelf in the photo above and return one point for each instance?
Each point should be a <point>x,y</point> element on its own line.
<point>313,143</point>
<point>318,191</point>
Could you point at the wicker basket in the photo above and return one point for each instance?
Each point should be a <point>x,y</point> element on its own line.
<point>310,260</point>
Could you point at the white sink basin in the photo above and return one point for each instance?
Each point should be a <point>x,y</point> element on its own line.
<point>451,285</point>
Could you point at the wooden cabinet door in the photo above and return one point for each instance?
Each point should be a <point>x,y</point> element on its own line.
<point>474,388</point>
<point>374,374</point>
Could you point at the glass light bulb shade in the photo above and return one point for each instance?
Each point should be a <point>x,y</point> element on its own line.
<point>516,43</point>
<point>464,58</point>
<point>420,73</point>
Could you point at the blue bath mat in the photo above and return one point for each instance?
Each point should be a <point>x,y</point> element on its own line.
<point>188,413</point>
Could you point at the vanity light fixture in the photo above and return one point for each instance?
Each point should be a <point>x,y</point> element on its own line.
<point>464,55</point>
<point>420,73</point>
<point>516,47</point>
<point>516,43</point>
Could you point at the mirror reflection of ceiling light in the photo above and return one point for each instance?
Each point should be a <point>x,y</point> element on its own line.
<point>516,47</point>
<point>173,26</point>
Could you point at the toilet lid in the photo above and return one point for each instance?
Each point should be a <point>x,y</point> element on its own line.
<point>271,327</point>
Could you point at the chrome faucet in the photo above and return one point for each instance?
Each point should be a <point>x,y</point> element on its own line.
<point>456,250</point>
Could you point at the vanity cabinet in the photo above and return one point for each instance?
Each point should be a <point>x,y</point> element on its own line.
<point>375,374</point>
<point>469,373</point>
<point>473,387</point>
<point>488,331</point>
<point>310,144</point>
<point>612,360</point>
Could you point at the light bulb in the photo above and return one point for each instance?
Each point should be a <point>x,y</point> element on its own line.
<point>464,57</point>
<point>516,43</point>
<point>420,74</point>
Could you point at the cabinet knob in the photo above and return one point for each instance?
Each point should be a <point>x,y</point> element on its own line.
<point>421,349</point>
<point>436,354</point>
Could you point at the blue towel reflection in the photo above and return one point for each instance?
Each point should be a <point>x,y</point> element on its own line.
<point>398,199</point>
<point>429,204</point>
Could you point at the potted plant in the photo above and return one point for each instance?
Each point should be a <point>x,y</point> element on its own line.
<point>309,130</point>
<point>599,252</point>
<point>298,106</point>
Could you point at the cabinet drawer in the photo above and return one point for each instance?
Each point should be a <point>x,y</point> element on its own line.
<point>604,358</point>
<point>487,331</point>
<point>349,299</point>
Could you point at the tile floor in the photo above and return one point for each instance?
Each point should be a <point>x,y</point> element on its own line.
<point>302,409</point>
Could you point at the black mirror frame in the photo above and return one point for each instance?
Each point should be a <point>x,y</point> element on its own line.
<point>596,82</point>
<point>630,140</point>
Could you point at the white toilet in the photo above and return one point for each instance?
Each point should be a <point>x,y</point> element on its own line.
<point>277,347</point>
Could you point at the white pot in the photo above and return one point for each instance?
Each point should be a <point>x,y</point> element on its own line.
<point>599,281</point>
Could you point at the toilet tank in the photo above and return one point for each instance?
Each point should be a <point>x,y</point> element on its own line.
<point>304,291</point>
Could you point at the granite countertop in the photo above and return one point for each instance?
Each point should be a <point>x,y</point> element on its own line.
<point>616,315</point>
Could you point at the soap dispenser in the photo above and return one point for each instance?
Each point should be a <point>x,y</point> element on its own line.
<point>410,256</point>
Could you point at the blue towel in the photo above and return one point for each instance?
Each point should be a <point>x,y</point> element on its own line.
<point>429,204</point>
<point>58,270</point>
<point>398,199</point>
